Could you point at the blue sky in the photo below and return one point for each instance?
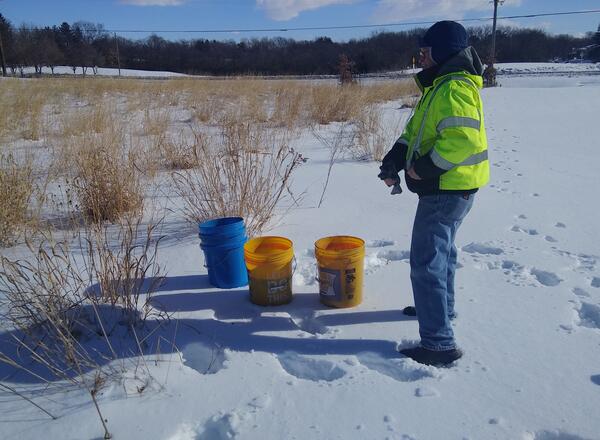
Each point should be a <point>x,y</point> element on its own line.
<point>260,14</point>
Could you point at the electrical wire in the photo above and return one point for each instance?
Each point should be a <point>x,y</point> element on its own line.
<point>358,26</point>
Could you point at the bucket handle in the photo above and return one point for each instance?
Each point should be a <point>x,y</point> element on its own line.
<point>294,265</point>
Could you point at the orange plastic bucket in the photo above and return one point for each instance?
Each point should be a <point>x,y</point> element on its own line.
<point>269,264</point>
<point>340,260</point>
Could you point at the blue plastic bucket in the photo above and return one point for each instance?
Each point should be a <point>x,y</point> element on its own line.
<point>222,241</point>
<point>222,226</point>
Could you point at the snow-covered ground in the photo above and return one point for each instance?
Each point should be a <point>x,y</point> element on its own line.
<point>105,71</point>
<point>528,303</point>
<point>503,69</point>
<point>546,68</point>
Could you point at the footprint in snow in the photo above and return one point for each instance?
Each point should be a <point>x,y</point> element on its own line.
<point>589,315</point>
<point>260,402</point>
<point>584,262</point>
<point>394,255</point>
<point>307,321</point>
<point>480,248</point>
<point>595,282</point>
<point>552,435</point>
<point>548,279</point>
<point>203,358</point>
<point>580,292</point>
<point>375,260</point>
<point>524,230</point>
<point>401,369</point>
<point>307,368</point>
<point>595,379</point>
<point>426,392</point>
<point>560,225</point>
<point>380,243</point>
<point>220,427</point>
<point>512,266</point>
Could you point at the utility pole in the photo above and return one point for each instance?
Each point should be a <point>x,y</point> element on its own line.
<point>493,51</point>
<point>118,58</point>
<point>490,71</point>
<point>2,56</point>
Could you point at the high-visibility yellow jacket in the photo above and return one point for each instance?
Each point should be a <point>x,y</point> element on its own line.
<point>445,139</point>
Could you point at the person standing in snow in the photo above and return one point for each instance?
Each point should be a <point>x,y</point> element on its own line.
<point>443,151</point>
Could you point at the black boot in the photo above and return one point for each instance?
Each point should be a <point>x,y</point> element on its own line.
<point>412,311</point>
<point>432,357</point>
<point>409,311</point>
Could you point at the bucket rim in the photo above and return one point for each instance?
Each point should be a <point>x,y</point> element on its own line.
<point>359,241</point>
<point>272,237</point>
<point>277,255</point>
<point>220,222</point>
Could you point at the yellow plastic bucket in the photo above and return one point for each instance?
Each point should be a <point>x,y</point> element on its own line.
<point>269,264</point>
<point>341,261</point>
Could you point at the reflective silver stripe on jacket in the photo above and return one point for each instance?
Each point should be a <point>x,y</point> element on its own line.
<point>444,164</point>
<point>412,149</point>
<point>458,121</point>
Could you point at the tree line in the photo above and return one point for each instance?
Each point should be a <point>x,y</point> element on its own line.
<point>87,46</point>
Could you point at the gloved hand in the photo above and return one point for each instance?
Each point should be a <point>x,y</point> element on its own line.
<point>388,171</point>
<point>390,176</point>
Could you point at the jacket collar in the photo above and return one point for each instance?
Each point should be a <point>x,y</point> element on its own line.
<point>466,60</point>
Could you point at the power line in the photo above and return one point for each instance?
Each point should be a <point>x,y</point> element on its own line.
<point>357,26</point>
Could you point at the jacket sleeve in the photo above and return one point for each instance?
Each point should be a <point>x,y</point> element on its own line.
<point>458,122</point>
<point>397,155</point>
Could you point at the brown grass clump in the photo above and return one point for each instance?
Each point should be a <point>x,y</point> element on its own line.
<point>156,121</point>
<point>245,172</point>
<point>383,91</point>
<point>122,259</point>
<point>289,104</point>
<point>17,189</point>
<point>64,327</point>
<point>176,153</point>
<point>371,139</point>
<point>106,180</point>
<point>332,103</point>
<point>97,118</point>
<point>23,106</point>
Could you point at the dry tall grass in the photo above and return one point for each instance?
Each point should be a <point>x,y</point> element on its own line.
<point>245,172</point>
<point>17,190</point>
<point>106,180</point>
<point>122,260</point>
<point>371,139</point>
<point>62,327</point>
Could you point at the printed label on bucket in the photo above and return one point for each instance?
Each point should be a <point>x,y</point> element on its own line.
<point>330,283</point>
<point>270,292</point>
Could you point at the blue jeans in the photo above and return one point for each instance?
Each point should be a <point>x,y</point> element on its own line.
<point>433,264</point>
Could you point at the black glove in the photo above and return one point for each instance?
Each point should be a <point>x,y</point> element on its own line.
<point>388,171</point>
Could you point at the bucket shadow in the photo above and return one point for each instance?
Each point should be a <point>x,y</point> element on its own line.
<point>221,320</point>
<point>233,322</point>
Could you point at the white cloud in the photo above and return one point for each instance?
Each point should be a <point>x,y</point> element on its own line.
<point>153,2</point>
<point>387,11</point>
<point>282,10</point>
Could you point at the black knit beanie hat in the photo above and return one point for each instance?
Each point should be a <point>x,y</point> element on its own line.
<point>445,39</point>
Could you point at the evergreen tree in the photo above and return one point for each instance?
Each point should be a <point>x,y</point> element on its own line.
<point>595,52</point>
